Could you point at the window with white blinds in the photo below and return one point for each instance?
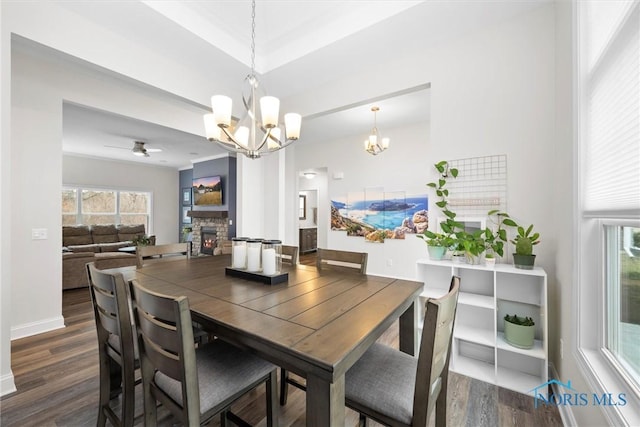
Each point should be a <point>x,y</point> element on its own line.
<point>611,68</point>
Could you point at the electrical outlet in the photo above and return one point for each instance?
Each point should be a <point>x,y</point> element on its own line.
<point>389,262</point>
<point>230,222</point>
<point>561,349</point>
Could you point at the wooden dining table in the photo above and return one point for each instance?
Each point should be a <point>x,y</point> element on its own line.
<point>316,325</point>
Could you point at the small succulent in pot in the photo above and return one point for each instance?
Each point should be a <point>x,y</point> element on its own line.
<point>519,331</point>
<point>524,242</point>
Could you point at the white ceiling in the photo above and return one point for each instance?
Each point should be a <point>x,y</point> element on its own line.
<point>292,38</point>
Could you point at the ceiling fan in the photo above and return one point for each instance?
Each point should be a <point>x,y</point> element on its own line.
<point>139,149</point>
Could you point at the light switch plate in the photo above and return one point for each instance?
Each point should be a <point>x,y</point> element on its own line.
<point>38,234</point>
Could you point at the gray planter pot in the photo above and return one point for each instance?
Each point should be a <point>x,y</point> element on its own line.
<point>518,335</point>
<point>524,262</point>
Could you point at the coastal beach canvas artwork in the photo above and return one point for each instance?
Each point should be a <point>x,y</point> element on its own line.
<point>377,215</point>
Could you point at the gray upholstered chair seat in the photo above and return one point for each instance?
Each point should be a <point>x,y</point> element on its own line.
<point>396,389</point>
<point>223,371</point>
<point>388,391</point>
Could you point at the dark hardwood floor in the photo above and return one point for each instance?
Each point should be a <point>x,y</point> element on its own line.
<point>56,375</point>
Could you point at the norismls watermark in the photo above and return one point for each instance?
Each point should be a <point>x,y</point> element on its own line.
<point>568,396</point>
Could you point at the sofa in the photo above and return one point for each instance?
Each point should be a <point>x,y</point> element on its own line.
<point>99,244</point>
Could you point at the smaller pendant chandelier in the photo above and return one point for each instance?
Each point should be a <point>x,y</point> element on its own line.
<point>375,144</point>
<point>250,136</point>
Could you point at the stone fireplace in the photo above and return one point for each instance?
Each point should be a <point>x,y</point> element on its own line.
<point>210,229</point>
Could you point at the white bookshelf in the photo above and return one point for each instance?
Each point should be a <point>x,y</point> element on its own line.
<point>479,349</point>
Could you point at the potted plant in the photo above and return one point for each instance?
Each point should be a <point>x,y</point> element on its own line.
<point>470,245</point>
<point>187,233</point>
<point>524,241</point>
<point>495,237</point>
<point>519,331</point>
<point>142,240</point>
<point>437,243</point>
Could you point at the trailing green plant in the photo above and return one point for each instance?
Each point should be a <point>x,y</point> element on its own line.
<point>448,237</point>
<point>450,225</point>
<point>525,240</point>
<point>496,236</point>
<point>436,239</point>
<point>522,321</point>
<point>472,244</point>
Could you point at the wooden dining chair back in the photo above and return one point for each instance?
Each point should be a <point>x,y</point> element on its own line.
<point>394,388</point>
<point>342,260</point>
<point>117,353</point>
<point>158,253</point>
<point>193,384</point>
<point>289,254</point>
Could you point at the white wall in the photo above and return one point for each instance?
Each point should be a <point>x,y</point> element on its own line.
<point>7,384</point>
<point>40,84</point>
<point>492,92</point>
<point>83,171</point>
<point>403,167</point>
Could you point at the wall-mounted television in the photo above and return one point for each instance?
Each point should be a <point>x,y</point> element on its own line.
<point>207,191</point>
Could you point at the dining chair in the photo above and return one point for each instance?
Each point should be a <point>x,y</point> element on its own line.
<point>158,253</point>
<point>341,260</point>
<point>117,348</point>
<point>396,389</point>
<point>290,254</point>
<point>326,259</point>
<point>193,384</point>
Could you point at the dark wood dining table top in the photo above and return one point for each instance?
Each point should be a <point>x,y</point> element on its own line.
<point>317,324</point>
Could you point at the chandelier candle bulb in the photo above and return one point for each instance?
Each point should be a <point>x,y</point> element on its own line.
<point>242,135</point>
<point>253,255</point>
<point>211,129</point>
<point>270,108</point>
<point>221,106</point>
<point>292,123</point>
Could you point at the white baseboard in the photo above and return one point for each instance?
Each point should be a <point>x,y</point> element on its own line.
<point>565,410</point>
<point>29,329</point>
<point>7,384</point>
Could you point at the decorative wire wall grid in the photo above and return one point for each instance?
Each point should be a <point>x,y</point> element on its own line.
<point>481,186</point>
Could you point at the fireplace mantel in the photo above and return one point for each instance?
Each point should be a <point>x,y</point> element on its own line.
<point>208,214</point>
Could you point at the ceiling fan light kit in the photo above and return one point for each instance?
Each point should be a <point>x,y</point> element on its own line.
<point>243,137</point>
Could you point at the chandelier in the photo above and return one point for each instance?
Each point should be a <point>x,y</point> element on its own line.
<point>249,136</point>
<point>375,144</point>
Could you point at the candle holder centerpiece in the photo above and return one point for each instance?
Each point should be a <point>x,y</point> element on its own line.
<point>257,259</point>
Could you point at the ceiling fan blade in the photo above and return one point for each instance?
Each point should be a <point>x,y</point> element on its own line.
<point>153,150</point>
<point>122,148</point>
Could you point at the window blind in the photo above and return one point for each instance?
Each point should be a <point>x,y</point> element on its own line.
<point>612,128</point>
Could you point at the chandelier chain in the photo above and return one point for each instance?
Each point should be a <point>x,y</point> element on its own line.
<point>253,37</point>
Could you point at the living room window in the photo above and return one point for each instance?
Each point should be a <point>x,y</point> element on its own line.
<point>91,206</point>
<point>608,282</point>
